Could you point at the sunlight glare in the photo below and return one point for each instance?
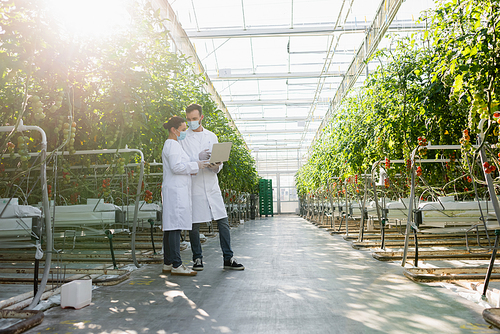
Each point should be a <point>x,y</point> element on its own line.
<point>92,17</point>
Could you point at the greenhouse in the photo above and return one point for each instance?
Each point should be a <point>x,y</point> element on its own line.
<point>279,166</point>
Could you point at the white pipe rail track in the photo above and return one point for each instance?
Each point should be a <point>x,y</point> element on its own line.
<point>45,201</point>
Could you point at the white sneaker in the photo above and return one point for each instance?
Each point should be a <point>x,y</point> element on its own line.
<point>183,271</point>
<point>167,268</point>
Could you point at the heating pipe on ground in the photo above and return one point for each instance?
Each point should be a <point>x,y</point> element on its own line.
<point>21,304</point>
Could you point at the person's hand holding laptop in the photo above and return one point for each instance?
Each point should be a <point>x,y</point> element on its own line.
<point>220,153</point>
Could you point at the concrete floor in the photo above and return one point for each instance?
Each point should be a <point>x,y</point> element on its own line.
<point>298,279</point>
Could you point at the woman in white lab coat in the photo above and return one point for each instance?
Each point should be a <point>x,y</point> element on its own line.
<point>176,195</point>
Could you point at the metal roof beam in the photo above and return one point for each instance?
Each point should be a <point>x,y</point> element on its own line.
<point>279,159</point>
<point>270,119</point>
<point>275,76</point>
<point>272,132</point>
<point>337,52</point>
<point>287,31</point>
<point>279,148</point>
<point>281,171</point>
<point>252,96</point>
<point>272,102</point>
<point>268,142</point>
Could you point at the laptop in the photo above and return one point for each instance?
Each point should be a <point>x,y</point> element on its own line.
<point>220,152</point>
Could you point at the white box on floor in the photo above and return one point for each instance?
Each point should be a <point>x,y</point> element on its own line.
<point>76,294</point>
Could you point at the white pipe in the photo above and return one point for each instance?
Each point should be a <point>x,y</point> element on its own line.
<point>45,200</point>
<point>412,194</point>
<point>139,185</point>
<point>46,210</point>
<point>22,304</point>
<point>77,167</point>
<point>87,152</point>
<point>137,198</point>
<point>410,208</point>
<point>489,180</point>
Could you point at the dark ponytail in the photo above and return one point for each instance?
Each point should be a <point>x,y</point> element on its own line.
<point>173,122</point>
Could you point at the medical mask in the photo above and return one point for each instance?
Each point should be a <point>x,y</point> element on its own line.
<point>193,125</point>
<point>182,135</point>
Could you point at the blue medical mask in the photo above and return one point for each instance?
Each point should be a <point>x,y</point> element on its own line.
<point>193,125</point>
<point>182,135</point>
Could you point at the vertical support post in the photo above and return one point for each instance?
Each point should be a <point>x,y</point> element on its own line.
<point>410,209</point>
<point>494,201</point>
<point>151,222</point>
<point>416,246</point>
<point>109,234</point>
<point>366,54</point>
<point>136,209</point>
<point>346,211</point>
<point>379,214</point>
<point>332,207</point>
<point>35,276</point>
<point>492,263</point>
<point>341,219</point>
<point>491,187</point>
<point>338,199</point>
<point>278,193</point>
<point>364,212</point>
<point>382,233</point>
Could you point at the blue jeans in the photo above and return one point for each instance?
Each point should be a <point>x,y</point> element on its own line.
<point>224,237</point>
<point>172,248</point>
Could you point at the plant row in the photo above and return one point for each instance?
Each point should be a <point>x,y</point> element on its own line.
<point>91,93</point>
<point>431,88</point>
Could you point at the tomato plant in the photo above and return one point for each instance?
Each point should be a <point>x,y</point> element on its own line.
<point>92,93</point>
<point>431,88</point>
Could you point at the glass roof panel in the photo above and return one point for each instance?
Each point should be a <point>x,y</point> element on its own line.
<point>236,87</point>
<point>321,12</point>
<point>309,44</point>
<point>276,80</point>
<point>278,12</point>
<point>204,14</point>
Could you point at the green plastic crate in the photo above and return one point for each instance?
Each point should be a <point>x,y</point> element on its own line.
<point>266,197</point>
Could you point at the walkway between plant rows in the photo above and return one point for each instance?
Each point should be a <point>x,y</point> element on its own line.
<point>298,279</point>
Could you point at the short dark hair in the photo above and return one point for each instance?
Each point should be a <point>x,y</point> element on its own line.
<point>193,107</point>
<point>173,122</point>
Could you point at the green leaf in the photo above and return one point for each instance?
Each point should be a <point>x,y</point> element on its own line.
<point>458,84</point>
<point>452,67</point>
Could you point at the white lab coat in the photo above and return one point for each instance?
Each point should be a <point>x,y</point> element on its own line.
<point>176,187</point>
<point>207,198</point>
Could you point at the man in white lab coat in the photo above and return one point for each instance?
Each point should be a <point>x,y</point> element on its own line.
<point>207,199</point>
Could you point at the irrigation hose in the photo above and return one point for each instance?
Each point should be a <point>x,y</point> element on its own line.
<point>109,234</point>
<point>492,263</point>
